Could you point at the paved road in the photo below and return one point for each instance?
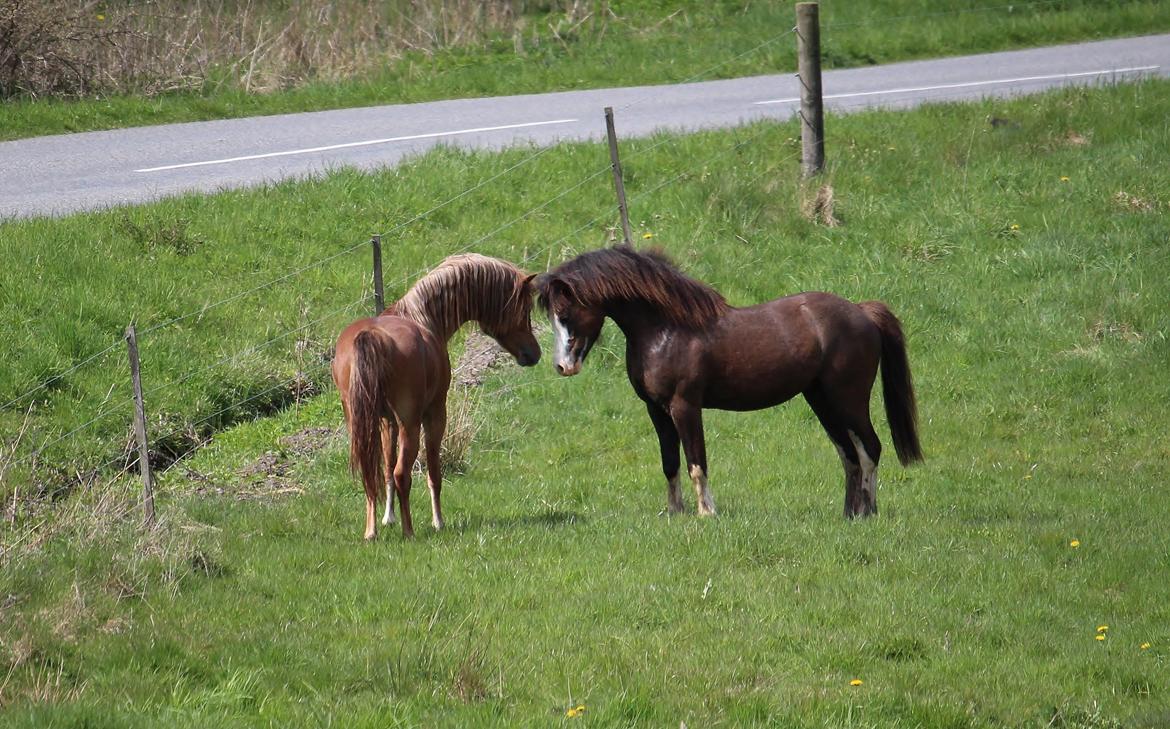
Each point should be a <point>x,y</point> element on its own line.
<point>67,173</point>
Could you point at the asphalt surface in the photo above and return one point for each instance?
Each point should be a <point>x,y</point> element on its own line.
<point>67,173</point>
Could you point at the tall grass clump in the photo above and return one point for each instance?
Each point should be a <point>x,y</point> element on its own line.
<point>51,47</point>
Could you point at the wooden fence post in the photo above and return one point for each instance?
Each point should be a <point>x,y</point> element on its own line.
<point>379,297</point>
<point>140,430</point>
<point>616,163</point>
<point>812,112</point>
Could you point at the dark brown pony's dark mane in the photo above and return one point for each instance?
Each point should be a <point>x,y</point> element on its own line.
<point>627,275</point>
<point>467,287</point>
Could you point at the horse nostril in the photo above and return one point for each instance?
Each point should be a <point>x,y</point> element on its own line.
<point>560,369</point>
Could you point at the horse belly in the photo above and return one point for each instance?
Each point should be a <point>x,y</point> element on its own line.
<point>755,395</point>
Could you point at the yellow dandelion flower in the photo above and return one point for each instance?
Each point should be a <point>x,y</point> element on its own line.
<point>1145,646</point>
<point>1102,628</point>
<point>571,713</point>
<point>1064,178</point>
<point>1100,636</point>
<point>1075,543</point>
<point>647,236</point>
<point>581,708</point>
<point>101,17</point>
<point>1015,226</point>
<point>856,682</point>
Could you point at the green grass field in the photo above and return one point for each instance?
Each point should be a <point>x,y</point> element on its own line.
<point>1027,263</point>
<point>619,44</point>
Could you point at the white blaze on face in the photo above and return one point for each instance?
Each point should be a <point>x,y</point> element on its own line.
<point>561,347</point>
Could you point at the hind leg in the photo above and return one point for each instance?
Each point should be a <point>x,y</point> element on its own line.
<point>389,453</point>
<point>434,427</point>
<point>868,447</point>
<point>846,421</point>
<point>407,452</point>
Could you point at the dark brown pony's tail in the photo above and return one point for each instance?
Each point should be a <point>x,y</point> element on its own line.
<point>368,404</point>
<point>897,387</point>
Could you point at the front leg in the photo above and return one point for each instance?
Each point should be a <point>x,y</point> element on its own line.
<point>688,421</point>
<point>668,448</point>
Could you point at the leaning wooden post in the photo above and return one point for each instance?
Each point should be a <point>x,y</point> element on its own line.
<point>616,163</point>
<point>140,430</point>
<point>812,111</point>
<point>379,297</point>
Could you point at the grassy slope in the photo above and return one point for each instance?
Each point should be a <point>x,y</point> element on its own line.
<point>643,43</point>
<point>1038,353</point>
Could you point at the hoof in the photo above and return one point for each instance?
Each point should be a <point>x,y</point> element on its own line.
<point>388,520</point>
<point>371,536</point>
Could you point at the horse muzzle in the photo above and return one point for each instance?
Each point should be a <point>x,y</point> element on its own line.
<point>528,357</point>
<point>568,369</point>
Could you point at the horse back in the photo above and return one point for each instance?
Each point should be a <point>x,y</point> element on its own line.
<point>763,355</point>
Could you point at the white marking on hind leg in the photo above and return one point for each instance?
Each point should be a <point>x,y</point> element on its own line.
<point>674,504</point>
<point>702,493</point>
<point>868,469</point>
<point>388,516</point>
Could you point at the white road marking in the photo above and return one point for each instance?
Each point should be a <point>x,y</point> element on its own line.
<point>348,145</point>
<point>969,84</point>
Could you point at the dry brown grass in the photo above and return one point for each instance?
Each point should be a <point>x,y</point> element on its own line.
<point>820,207</point>
<point>55,47</point>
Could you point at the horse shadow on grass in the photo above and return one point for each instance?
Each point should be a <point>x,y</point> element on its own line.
<point>473,524</point>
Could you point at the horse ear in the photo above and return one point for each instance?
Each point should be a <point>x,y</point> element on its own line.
<point>562,287</point>
<point>546,284</point>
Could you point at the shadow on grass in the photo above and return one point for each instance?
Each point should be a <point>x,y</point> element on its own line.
<point>472,524</point>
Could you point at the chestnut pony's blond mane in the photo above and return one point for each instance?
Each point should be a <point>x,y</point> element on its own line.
<point>467,287</point>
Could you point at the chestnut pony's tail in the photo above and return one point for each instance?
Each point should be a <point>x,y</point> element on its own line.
<point>373,351</point>
<point>897,387</point>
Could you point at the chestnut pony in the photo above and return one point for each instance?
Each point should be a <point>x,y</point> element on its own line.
<point>688,349</point>
<point>393,371</point>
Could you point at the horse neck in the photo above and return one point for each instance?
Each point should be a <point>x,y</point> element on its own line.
<point>637,319</point>
<point>446,312</point>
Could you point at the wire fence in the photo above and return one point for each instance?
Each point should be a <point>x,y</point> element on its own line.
<point>106,410</point>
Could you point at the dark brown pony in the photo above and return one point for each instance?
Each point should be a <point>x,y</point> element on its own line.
<point>688,349</point>
<point>393,371</point>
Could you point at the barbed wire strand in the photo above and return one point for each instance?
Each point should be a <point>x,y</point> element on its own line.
<point>129,401</point>
<point>255,348</point>
<point>61,375</point>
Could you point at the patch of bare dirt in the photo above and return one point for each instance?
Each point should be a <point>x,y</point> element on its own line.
<point>309,441</point>
<point>480,354</point>
<point>265,477</point>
